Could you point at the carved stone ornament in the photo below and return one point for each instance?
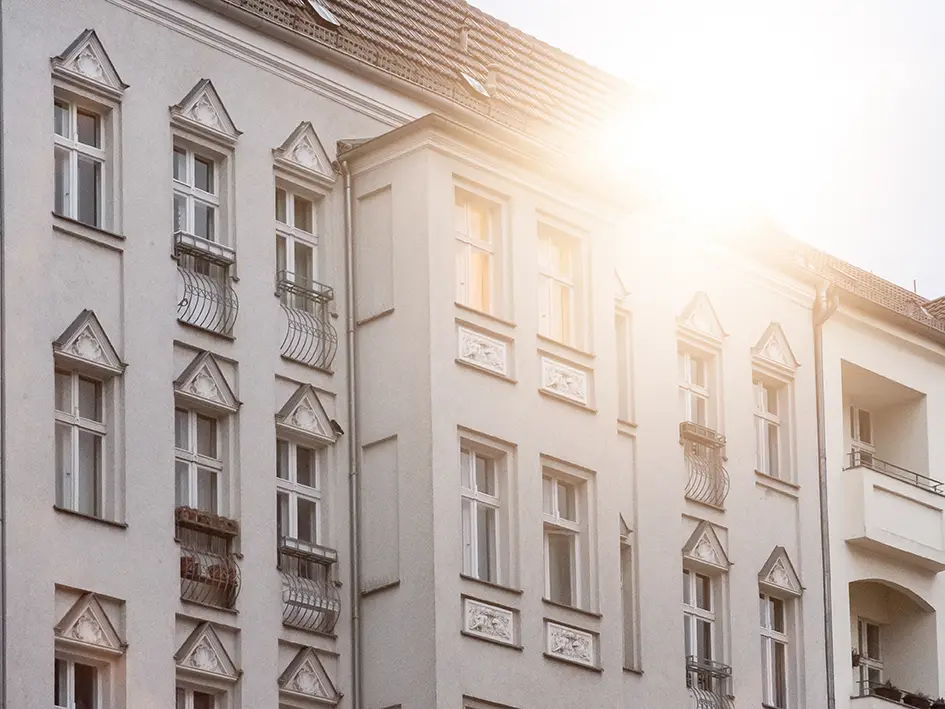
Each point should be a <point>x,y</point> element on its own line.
<point>204,112</point>
<point>705,551</point>
<point>773,347</point>
<point>561,379</point>
<point>307,681</point>
<point>489,621</point>
<point>204,657</point>
<point>305,154</point>
<point>305,418</point>
<point>700,317</point>
<point>203,386</point>
<point>483,351</point>
<point>87,629</point>
<point>87,64</point>
<point>778,573</point>
<point>570,644</point>
<point>87,346</point>
<point>778,576</point>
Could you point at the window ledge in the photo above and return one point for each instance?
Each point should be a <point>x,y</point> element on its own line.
<point>96,235</point>
<point>566,347</point>
<point>212,333</point>
<point>484,314</point>
<point>491,584</point>
<point>574,609</point>
<point>784,487</point>
<point>706,505</point>
<point>633,671</point>
<point>90,518</point>
<point>566,400</point>
<point>626,428</point>
<point>319,633</point>
<point>219,609</point>
<point>473,636</point>
<point>321,370</point>
<point>572,663</point>
<point>485,370</point>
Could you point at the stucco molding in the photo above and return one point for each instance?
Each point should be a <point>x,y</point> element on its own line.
<point>305,683</point>
<point>489,621</point>
<point>774,353</point>
<point>700,320</point>
<point>86,627</point>
<point>85,345</point>
<point>570,644</point>
<point>86,63</point>
<point>202,111</point>
<point>304,415</point>
<point>481,350</point>
<point>565,380</point>
<point>778,575</point>
<point>302,155</point>
<point>204,383</point>
<point>203,654</point>
<point>704,549</point>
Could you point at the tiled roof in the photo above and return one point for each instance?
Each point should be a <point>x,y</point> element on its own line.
<point>418,40</point>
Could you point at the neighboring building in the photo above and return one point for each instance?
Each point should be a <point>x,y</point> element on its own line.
<point>584,443</point>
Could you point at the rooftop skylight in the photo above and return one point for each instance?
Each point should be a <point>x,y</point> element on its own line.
<point>324,13</point>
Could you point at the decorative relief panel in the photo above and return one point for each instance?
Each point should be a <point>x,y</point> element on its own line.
<point>483,351</point>
<point>564,380</point>
<point>571,644</point>
<point>488,621</point>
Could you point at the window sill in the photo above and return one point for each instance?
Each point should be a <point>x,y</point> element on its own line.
<point>706,505</point>
<point>322,370</point>
<point>218,609</point>
<point>566,347</point>
<point>573,609</point>
<point>90,518</point>
<point>626,428</point>
<point>633,671</point>
<point>785,487</point>
<point>212,333</point>
<point>485,370</point>
<point>484,314</point>
<point>571,663</point>
<point>565,400</point>
<point>491,584</point>
<point>484,639</point>
<point>319,633</point>
<point>86,232</point>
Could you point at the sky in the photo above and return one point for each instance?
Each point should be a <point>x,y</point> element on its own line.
<point>827,114</point>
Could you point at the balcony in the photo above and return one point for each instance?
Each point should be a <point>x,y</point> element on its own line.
<point>708,479</point>
<point>310,597</point>
<point>205,298</point>
<point>209,573</point>
<point>894,511</point>
<point>873,695</point>
<point>310,338</point>
<point>709,683</point>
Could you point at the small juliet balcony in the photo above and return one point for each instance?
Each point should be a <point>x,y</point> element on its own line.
<point>708,479</point>
<point>709,683</point>
<point>209,572</point>
<point>310,597</point>
<point>205,297</point>
<point>310,338</point>
<point>895,512</point>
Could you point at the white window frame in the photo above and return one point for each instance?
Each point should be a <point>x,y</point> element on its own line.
<point>295,490</point>
<point>856,434</point>
<point>195,460</point>
<point>555,524</point>
<point>692,614</point>
<point>79,424</point>
<point>628,593</point>
<point>468,243</point>
<point>476,498</point>
<point>291,233</point>
<point>551,320</point>
<point>690,390</point>
<point>219,698</point>
<point>192,195</point>
<point>100,684</point>
<point>769,639</point>
<point>764,420</point>
<point>876,664</point>
<point>75,148</point>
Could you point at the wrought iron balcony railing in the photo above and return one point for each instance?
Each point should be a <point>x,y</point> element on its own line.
<point>708,479</point>
<point>703,435</point>
<point>310,337</point>
<point>310,597</point>
<point>205,298</point>
<point>710,683</point>
<point>209,572</point>
<point>211,251</point>
<point>865,459</point>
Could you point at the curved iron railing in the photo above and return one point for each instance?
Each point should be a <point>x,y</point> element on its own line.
<point>310,337</point>
<point>709,684</point>
<point>702,699</point>
<point>308,604</point>
<point>208,578</point>
<point>865,459</point>
<point>206,302</point>
<point>708,479</point>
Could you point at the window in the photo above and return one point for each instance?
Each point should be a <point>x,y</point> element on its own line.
<point>296,255</point>
<point>476,227</point>
<point>869,645</point>
<point>558,270</point>
<point>197,460</point>
<point>299,497</point>
<point>195,699</point>
<point>626,601</point>
<point>768,428</point>
<point>694,392</point>
<point>479,481</point>
<point>80,435</point>
<point>196,194</point>
<point>76,685</point>
<point>774,651</point>
<point>80,162</point>
<point>861,433</point>
<point>622,336</point>
<point>562,523</point>
<point>699,622</point>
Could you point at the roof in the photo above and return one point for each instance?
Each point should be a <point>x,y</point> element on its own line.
<point>419,41</point>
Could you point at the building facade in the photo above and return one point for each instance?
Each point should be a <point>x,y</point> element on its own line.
<point>331,378</point>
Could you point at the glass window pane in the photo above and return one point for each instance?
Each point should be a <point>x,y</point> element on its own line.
<point>777,615</point>
<point>181,699</point>
<point>89,178</point>
<point>203,700</point>
<point>560,572</point>
<point>703,639</point>
<point>64,466</point>
<point>477,223</point>
<point>480,280</point>
<point>282,515</point>
<point>203,174</point>
<point>304,262</point>
<point>207,490</point>
<point>282,459</point>
<point>865,426</point>
<point>703,592</point>
<point>687,587</point>
<point>763,610</point>
<point>305,466</point>
<point>180,213</point>
<point>872,641</point>
<point>780,675</point>
<point>304,213</point>
<point>485,475</point>
<point>465,468</point>
<point>63,391</point>
<point>61,122</point>
<point>90,399</point>
<point>697,371</point>
<point>203,220</point>
<point>486,530</point>
<point>547,496</point>
<point>771,400</point>
<point>280,254</point>
<point>182,484</point>
<point>281,215</point>
<point>88,128</point>
<point>60,680</point>
<point>773,451</point>
<point>467,513</point>
<point>90,472</point>
<point>461,251</point>
<point>567,508</point>
<point>459,214</point>
<point>206,436</point>
<point>308,520</point>
<point>63,196</point>
<point>180,165</point>
<point>182,429</point>
<point>85,686</point>
<point>699,409</point>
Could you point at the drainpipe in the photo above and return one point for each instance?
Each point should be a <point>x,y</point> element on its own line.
<point>354,480</point>
<point>825,306</point>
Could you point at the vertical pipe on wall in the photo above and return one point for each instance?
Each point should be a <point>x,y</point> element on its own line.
<point>825,306</point>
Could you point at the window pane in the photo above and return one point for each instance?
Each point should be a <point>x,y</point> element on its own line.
<point>547,496</point>
<point>90,472</point>
<point>206,436</point>
<point>308,520</point>
<point>459,214</point>
<point>182,429</point>
<point>687,587</point>
<point>90,399</point>
<point>703,592</point>
<point>461,251</point>
<point>63,201</point>
<point>305,466</point>
<point>467,521</point>
<point>560,571</point>
<point>60,679</point>
<point>703,639</point>
<point>180,213</point>
<point>480,280</point>
<point>88,128</point>
<point>763,610</point>
<point>282,460</point>
<point>777,615</point>
<point>61,123</point>
<point>304,262</point>
<point>182,483</point>
<point>566,503</point>
<point>85,681</point>
<point>697,371</point>
<point>207,490</point>
<point>485,475</point>
<point>865,426</point>
<point>203,220</point>
<point>771,400</point>
<point>281,206</point>
<point>486,529</point>
<point>280,254</point>
<point>773,453</point>
<point>478,223</point>
<point>180,165</point>
<point>780,675</point>
<point>203,700</point>
<point>698,410</point>
<point>63,391</point>
<point>203,174</point>
<point>465,469</point>
<point>304,213</point>
<point>90,190</point>
<point>872,642</point>
<point>282,514</point>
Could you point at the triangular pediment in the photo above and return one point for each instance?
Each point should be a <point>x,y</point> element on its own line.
<point>304,415</point>
<point>705,549</point>
<point>699,318</point>
<point>302,152</point>
<point>203,110</point>
<point>84,344</point>
<point>773,349</point>
<point>87,624</point>
<point>779,575</point>
<point>86,62</point>
<point>625,530</point>
<point>204,383</point>
<point>620,289</point>
<point>203,654</point>
<point>305,679</point>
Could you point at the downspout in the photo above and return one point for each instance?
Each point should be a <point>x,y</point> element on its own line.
<point>3,401</point>
<point>825,306</point>
<point>354,480</point>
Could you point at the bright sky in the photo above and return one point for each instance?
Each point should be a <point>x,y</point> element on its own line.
<point>826,113</point>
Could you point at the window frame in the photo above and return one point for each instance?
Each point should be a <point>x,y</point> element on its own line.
<point>690,390</point>
<point>577,531</point>
<point>770,637</point>
<point>188,690</point>
<point>101,680</point>
<point>295,490</point>
<point>75,149</point>
<point>77,426</point>
<point>552,280</point>
<point>291,233</point>
<point>856,433</point>
<point>193,195</point>
<point>467,244</point>
<point>472,496</point>
<point>868,663</point>
<point>764,419</point>
<point>195,460</point>
<point>692,613</point>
